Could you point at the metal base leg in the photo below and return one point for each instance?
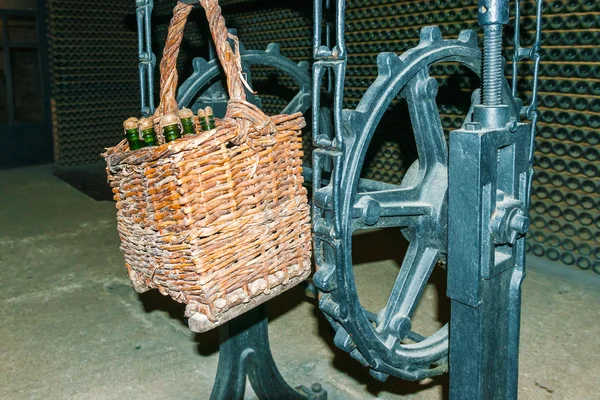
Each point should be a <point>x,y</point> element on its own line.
<point>245,351</point>
<point>484,351</point>
<point>488,203</point>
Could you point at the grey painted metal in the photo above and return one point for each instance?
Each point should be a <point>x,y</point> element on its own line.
<point>436,228</point>
<point>245,351</point>
<point>532,53</point>
<point>490,175</point>
<point>146,56</point>
<point>347,203</point>
<point>492,15</point>
<point>206,72</point>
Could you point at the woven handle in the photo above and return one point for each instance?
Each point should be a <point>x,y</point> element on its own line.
<point>229,56</point>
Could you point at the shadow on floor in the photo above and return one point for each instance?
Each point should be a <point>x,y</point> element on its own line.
<point>208,342</point>
<point>88,179</point>
<point>368,247</point>
<point>390,245</point>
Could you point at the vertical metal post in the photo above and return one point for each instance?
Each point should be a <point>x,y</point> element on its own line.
<point>490,174</point>
<point>146,56</point>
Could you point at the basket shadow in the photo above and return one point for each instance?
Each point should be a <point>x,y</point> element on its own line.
<point>208,342</point>
<point>89,179</point>
<point>153,301</point>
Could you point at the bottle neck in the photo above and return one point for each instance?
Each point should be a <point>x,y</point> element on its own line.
<point>149,137</point>
<point>171,132</point>
<point>133,139</point>
<point>188,126</point>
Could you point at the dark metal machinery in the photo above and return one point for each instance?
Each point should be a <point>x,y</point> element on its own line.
<point>491,172</point>
<point>464,204</point>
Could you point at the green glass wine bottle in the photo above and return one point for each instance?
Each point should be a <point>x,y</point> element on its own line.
<point>170,125</point>
<point>210,119</point>
<point>131,133</point>
<point>202,120</point>
<point>147,131</point>
<point>187,121</point>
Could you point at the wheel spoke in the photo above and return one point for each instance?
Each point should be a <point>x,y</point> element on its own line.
<point>407,291</point>
<point>420,94</point>
<point>415,337</point>
<point>386,208</point>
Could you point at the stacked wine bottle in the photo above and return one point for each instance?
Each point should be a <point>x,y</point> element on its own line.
<point>94,79</point>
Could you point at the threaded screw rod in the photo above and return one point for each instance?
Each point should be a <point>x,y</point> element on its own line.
<point>492,65</point>
<point>492,15</point>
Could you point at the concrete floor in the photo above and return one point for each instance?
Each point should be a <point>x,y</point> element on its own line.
<point>72,327</point>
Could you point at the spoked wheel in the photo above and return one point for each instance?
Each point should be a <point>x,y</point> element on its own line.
<point>205,78</point>
<point>205,86</point>
<point>385,341</point>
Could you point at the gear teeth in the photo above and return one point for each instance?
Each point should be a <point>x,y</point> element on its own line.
<point>357,355</point>
<point>304,66</point>
<point>429,35</point>
<point>380,376</point>
<point>273,48</point>
<point>469,37</point>
<point>388,64</point>
<point>343,341</point>
<point>199,64</point>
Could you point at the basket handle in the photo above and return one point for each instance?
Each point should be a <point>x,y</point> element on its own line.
<point>229,55</point>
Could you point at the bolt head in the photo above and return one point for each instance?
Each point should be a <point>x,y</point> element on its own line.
<point>371,212</point>
<point>512,124</point>
<point>402,326</point>
<point>520,223</point>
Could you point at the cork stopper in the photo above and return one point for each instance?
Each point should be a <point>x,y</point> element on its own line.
<point>209,111</point>
<point>201,113</point>
<point>146,123</point>
<point>185,113</point>
<point>130,123</point>
<point>169,119</point>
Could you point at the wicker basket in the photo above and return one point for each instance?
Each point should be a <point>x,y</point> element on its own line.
<point>218,220</point>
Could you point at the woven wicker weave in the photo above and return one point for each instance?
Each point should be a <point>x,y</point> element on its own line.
<point>218,220</point>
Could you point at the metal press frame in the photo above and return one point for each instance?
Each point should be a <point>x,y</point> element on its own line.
<point>485,171</point>
<point>465,204</point>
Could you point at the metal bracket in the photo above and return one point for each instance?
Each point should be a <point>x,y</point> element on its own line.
<point>245,351</point>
